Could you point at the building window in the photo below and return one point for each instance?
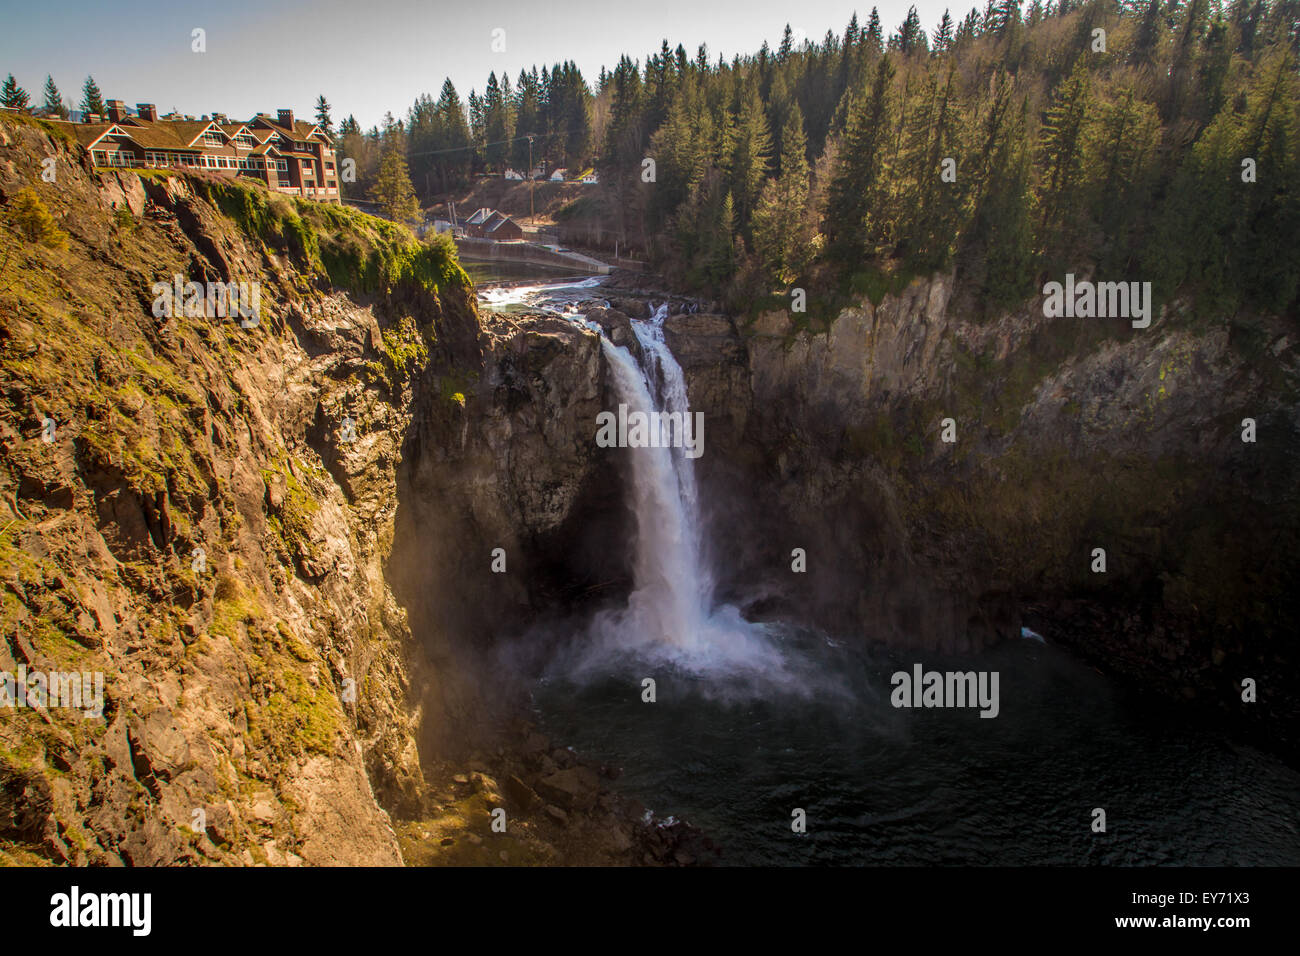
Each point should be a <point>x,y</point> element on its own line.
<point>329,167</point>
<point>212,139</point>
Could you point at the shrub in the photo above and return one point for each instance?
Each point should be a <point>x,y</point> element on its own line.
<point>31,217</point>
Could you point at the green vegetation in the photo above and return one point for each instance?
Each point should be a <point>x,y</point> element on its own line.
<point>393,190</point>
<point>354,251</point>
<point>1011,147</point>
<point>92,100</point>
<point>232,608</point>
<point>292,519</point>
<point>296,716</point>
<point>455,383</point>
<point>31,218</point>
<point>14,96</point>
<point>54,130</point>
<point>405,350</point>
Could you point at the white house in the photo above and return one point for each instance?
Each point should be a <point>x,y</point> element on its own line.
<point>515,175</point>
<point>558,175</point>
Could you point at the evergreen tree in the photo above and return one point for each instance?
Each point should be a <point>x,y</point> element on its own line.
<point>528,119</point>
<point>1062,159</point>
<point>780,221</point>
<point>476,120</point>
<point>751,150</point>
<point>968,30</point>
<point>496,125</point>
<point>1003,17</point>
<point>54,105</point>
<point>855,194</point>
<point>875,35</point>
<point>364,153</point>
<point>92,101</point>
<point>31,218</point>
<point>13,96</point>
<point>455,156</point>
<point>931,206</point>
<point>323,117</point>
<point>942,38</point>
<point>910,37</point>
<point>852,33</point>
<point>996,255</point>
<point>393,190</point>
<point>787,44</point>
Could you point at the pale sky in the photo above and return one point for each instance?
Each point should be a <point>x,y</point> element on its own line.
<point>370,56</point>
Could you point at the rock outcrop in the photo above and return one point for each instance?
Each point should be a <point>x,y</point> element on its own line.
<point>272,538</point>
<point>1070,435</point>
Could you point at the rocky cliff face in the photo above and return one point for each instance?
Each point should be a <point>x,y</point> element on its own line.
<point>272,540</point>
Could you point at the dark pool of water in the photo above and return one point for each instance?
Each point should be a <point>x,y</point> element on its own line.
<point>915,787</point>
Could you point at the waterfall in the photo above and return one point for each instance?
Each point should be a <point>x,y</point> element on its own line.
<point>670,617</point>
<point>673,588</point>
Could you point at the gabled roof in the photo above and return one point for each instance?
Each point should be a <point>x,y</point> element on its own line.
<point>88,134</point>
<point>497,222</point>
<point>300,132</point>
<point>481,215</point>
<point>168,134</point>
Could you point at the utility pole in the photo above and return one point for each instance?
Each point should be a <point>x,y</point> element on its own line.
<point>531,214</point>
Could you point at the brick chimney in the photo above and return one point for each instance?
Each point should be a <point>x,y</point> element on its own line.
<point>147,111</point>
<point>285,118</point>
<point>220,118</point>
<point>116,111</point>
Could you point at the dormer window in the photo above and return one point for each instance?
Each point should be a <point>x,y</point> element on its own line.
<point>213,139</point>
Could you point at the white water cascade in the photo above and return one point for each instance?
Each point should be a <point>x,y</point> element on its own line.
<point>673,587</point>
<point>670,617</point>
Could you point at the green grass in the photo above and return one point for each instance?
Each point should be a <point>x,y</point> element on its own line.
<point>53,129</point>
<point>355,251</point>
